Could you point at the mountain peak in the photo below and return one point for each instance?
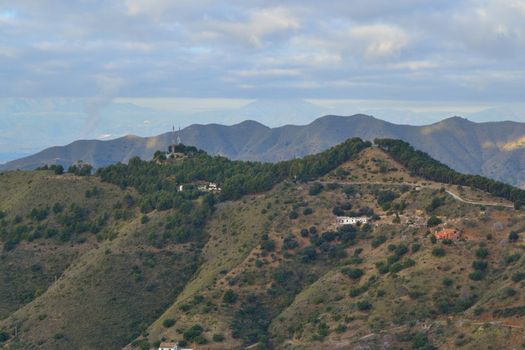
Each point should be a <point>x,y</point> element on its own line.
<point>250,124</point>
<point>456,119</point>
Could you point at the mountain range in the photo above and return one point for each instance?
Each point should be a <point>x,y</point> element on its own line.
<point>493,149</point>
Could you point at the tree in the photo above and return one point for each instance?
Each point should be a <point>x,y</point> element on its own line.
<point>58,169</point>
<point>169,322</point>
<point>476,275</point>
<point>421,164</point>
<point>439,252</point>
<point>433,221</point>
<point>480,265</point>
<point>514,236</point>
<point>315,189</point>
<point>309,254</point>
<point>229,297</point>
<point>482,253</point>
<point>159,156</point>
<point>353,273</point>
<point>364,305</point>
<point>293,215</point>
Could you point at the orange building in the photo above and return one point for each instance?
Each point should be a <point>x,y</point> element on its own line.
<point>448,233</point>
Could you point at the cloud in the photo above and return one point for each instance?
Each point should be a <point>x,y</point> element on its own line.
<point>407,49</point>
<point>257,26</point>
<point>415,65</point>
<point>380,41</point>
<point>266,72</point>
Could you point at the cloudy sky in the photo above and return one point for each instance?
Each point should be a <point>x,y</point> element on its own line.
<point>446,51</point>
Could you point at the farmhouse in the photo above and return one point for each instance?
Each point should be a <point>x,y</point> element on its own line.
<point>171,346</point>
<point>210,187</point>
<point>201,186</point>
<point>347,220</point>
<point>448,233</point>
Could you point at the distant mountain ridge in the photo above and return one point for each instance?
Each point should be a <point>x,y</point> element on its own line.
<point>493,149</point>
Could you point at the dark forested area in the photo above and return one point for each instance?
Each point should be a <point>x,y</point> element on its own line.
<point>158,181</point>
<point>421,164</point>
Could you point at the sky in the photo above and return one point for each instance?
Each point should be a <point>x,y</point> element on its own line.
<point>404,59</point>
<point>409,50</point>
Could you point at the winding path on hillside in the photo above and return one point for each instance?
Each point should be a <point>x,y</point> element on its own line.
<point>452,194</point>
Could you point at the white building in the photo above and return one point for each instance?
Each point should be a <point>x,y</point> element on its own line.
<point>211,187</point>
<point>171,346</point>
<point>347,220</point>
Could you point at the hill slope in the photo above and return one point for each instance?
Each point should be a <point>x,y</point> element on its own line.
<point>494,149</point>
<point>265,267</point>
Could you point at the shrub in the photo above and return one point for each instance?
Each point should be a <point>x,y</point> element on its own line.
<point>192,333</point>
<point>482,253</point>
<point>346,206</point>
<point>416,247</point>
<point>229,297</point>
<point>58,169</point>
<point>436,203</point>
<point>307,211</point>
<point>513,236</point>
<point>144,219</point>
<point>268,245</point>
<point>39,214</point>
<point>338,211</point>
<point>304,232</point>
<point>341,328</point>
<point>353,273</point>
<point>434,221</point>
<point>439,252</point>
<point>509,292</point>
<point>293,215</point>
<point>355,292</point>
<point>476,275</point>
<point>58,208</point>
<point>349,190</point>
<point>290,242</point>
<point>512,258</point>
<point>364,305</point>
<point>421,342</point>
<point>4,336</point>
<point>480,265</point>
<point>201,340</point>
<point>385,198</point>
<point>315,189</point>
<point>447,282</point>
<point>376,242</point>
<point>218,337</point>
<point>518,276</point>
<point>169,322</point>
<point>309,254</point>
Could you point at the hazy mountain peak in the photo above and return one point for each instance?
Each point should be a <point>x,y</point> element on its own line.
<point>251,124</point>
<point>456,141</point>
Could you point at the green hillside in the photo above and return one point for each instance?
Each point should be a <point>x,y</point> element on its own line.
<point>124,259</point>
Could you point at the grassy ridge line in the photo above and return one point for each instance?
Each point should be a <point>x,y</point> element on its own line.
<point>421,164</point>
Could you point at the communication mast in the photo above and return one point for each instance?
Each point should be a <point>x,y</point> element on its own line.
<point>179,141</point>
